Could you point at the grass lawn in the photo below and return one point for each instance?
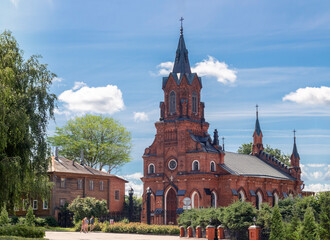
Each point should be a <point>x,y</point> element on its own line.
<point>19,238</point>
<point>56,229</point>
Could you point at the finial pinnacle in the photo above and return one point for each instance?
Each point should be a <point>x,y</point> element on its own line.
<point>257,106</point>
<point>181,29</point>
<point>294,135</point>
<point>223,143</point>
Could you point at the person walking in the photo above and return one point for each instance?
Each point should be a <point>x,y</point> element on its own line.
<point>86,224</point>
<point>82,225</point>
<point>92,221</point>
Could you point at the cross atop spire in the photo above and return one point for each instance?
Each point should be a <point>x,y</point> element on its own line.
<point>257,110</point>
<point>181,29</point>
<point>181,63</point>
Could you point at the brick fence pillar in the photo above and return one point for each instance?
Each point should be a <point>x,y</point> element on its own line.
<point>198,232</point>
<point>181,231</point>
<point>221,234</point>
<point>254,232</point>
<point>210,232</point>
<point>189,232</point>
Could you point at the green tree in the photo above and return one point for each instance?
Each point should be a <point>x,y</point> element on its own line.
<point>310,229</point>
<point>238,217</point>
<point>30,218</point>
<point>104,140</point>
<point>246,148</point>
<point>324,199</point>
<point>293,229</point>
<point>86,207</point>
<point>277,228</point>
<point>26,106</point>
<point>4,219</point>
<point>264,216</point>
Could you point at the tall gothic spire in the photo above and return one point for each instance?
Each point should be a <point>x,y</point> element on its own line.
<point>295,151</point>
<point>257,128</point>
<point>181,63</point>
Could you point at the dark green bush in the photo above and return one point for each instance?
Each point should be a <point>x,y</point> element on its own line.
<point>51,221</point>
<point>21,231</point>
<point>40,222</point>
<point>142,228</point>
<point>14,220</point>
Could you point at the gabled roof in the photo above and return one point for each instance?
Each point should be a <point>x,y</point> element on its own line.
<point>179,76</point>
<point>64,165</point>
<point>249,165</point>
<point>205,143</point>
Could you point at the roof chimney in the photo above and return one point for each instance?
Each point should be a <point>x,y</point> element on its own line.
<point>56,153</point>
<point>223,144</point>
<point>82,157</point>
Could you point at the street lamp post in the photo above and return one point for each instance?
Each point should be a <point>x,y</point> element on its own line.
<point>130,207</point>
<point>148,205</point>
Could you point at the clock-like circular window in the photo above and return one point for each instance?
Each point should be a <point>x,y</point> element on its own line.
<point>172,164</point>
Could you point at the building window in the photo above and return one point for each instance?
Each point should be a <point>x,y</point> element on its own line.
<point>25,202</point>
<point>241,196</point>
<point>62,182</point>
<point>101,186</point>
<point>117,195</point>
<point>62,202</point>
<point>35,204</point>
<point>195,165</point>
<point>195,200</point>
<point>80,183</point>
<point>275,199</point>
<point>91,185</point>
<point>194,102</point>
<point>213,200</point>
<point>259,200</point>
<point>151,168</point>
<point>45,204</point>
<point>212,166</point>
<point>172,164</point>
<point>172,102</point>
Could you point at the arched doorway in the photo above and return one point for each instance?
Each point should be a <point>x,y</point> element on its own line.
<point>171,206</point>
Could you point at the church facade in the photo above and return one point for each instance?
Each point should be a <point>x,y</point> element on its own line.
<point>184,161</point>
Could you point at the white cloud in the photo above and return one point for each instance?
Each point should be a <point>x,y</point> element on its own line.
<point>315,165</point>
<point>59,112</point>
<point>104,100</point>
<point>210,67</point>
<point>135,176</point>
<point>78,85</point>
<point>57,79</point>
<point>317,174</point>
<point>318,187</point>
<point>140,116</point>
<point>310,95</point>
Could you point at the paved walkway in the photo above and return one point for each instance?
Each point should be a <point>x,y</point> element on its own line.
<point>105,236</point>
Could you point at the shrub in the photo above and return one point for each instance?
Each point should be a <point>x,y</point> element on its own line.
<point>30,218</point>
<point>86,207</point>
<point>14,220</point>
<point>21,220</point>
<point>4,219</point>
<point>264,220</point>
<point>125,220</point>
<point>40,222</point>
<point>142,228</point>
<point>310,228</point>
<point>51,221</point>
<point>21,231</point>
<point>277,228</point>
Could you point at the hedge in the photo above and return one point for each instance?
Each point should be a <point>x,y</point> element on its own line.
<point>21,231</point>
<point>142,228</point>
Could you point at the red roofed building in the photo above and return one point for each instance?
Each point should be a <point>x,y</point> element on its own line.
<point>184,161</point>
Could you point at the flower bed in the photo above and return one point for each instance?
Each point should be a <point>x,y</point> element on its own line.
<point>142,228</point>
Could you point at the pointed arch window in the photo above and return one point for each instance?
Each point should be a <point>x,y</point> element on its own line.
<point>172,102</point>
<point>194,102</point>
<point>259,200</point>
<point>195,200</point>
<point>241,196</point>
<point>212,166</point>
<point>213,200</point>
<point>195,165</point>
<point>151,168</point>
<point>275,199</point>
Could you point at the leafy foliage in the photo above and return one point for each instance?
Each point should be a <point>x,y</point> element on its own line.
<point>264,216</point>
<point>277,228</point>
<point>137,208</point>
<point>293,229</point>
<point>86,207</point>
<point>246,148</point>
<point>310,227</point>
<point>4,219</point>
<point>30,218</point>
<point>142,228</point>
<point>104,140</point>
<point>25,109</point>
<point>22,231</point>
<point>51,221</point>
<point>324,216</point>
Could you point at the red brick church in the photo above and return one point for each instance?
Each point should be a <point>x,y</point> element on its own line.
<point>185,161</point>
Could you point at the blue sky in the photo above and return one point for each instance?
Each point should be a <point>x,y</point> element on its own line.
<point>274,53</point>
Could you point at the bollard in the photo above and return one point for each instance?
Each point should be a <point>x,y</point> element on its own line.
<point>189,232</point>
<point>254,232</point>
<point>221,234</point>
<point>181,231</point>
<point>210,232</point>
<point>198,232</point>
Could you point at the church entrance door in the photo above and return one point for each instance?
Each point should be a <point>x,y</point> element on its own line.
<point>171,206</point>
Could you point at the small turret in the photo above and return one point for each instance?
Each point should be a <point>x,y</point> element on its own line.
<point>295,170</point>
<point>257,136</point>
<point>215,138</point>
